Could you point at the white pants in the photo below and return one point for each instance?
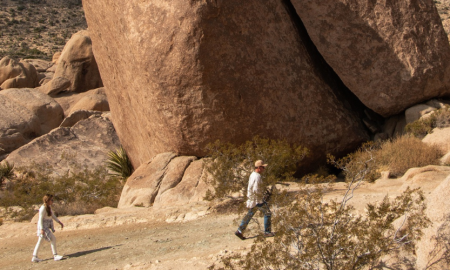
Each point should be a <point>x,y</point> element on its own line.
<point>41,239</point>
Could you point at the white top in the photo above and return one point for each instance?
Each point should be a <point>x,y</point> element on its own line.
<point>44,221</point>
<point>254,193</point>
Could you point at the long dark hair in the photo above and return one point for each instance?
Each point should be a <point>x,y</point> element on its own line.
<point>46,199</point>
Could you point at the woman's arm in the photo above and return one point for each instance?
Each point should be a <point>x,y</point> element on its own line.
<point>56,219</point>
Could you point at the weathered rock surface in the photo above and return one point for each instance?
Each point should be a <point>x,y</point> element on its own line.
<point>26,114</point>
<point>77,116</point>
<point>190,73</point>
<point>39,64</point>
<point>68,100</point>
<point>92,102</point>
<point>429,249</point>
<point>85,145</point>
<point>417,111</point>
<point>54,86</point>
<point>439,137</point>
<point>77,64</point>
<point>391,54</point>
<point>142,186</point>
<point>48,111</point>
<point>15,74</point>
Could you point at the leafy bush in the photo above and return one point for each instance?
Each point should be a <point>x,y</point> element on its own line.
<point>119,163</point>
<point>230,165</point>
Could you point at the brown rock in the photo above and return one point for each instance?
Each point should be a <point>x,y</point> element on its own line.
<point>78,65</point>
<point>54,86</point>
<point>55,58</point>
<point>173,176</point>
<point>18,125</point>
<point>14,74</point>
<point>39,64</point>
<point>68,100</point>
<point>92,102</point>
<point>417,111</point>
<point>83,146</point>
<point>77,116</point>
<point>48,111</point>
<point>195,72</point>
<point>390,54</point>
<point>142,186</point>
<point>190,189</point>
<point>439,137</point>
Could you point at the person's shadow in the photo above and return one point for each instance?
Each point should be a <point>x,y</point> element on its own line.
<point>82,253</point>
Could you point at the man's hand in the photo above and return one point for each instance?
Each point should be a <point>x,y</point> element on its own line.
<point>62,225</point>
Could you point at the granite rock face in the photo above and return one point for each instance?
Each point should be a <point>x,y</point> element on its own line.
<point>85,146</point>
<point>77,64</point>
<point>182,74</point>
<point>24,115</point>
<point>17,74</point>
<point>390,54</point>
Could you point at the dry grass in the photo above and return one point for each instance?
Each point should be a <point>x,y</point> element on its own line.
<point>407,152</point>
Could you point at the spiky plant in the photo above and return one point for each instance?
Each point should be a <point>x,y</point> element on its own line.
<point>119,163</point>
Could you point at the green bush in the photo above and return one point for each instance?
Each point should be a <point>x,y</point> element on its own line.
<point>231,165</point>
<point>119,163</point>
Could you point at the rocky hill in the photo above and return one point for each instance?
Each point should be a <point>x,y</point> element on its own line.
<point>38,28</point>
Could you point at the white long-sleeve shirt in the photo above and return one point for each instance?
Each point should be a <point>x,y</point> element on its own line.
<point>44,221</point>
<point>254,193</point>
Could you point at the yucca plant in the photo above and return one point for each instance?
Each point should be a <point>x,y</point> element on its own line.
<point>119,163</point>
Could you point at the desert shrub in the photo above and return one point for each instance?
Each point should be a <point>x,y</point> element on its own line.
<point>76,193</point>
<point>314,233</point>
<point>119,163</point>
<point>231,165</point>
<point>421,127</point>
<point>6,172</point>
<point>406,152</point>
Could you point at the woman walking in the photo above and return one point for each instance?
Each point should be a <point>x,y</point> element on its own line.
<point>45,228</point>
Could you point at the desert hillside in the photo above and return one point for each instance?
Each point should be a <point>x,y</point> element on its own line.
<point>38,28</point>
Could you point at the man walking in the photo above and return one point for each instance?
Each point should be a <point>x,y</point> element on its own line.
<point>255,202</point>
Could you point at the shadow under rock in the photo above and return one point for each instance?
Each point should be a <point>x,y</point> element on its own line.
<point>82,253</point>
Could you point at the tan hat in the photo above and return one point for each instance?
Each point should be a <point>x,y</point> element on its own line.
<point>260,163</point>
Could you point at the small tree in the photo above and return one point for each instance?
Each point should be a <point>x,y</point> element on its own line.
<point>119,163</point>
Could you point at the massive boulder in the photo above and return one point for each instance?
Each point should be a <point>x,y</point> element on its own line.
<point>17,74</point>
<point>181,74</point>
<point>24,115</point>
<point>390,54</point>
<point>83,146</point>
<point>77,64</point>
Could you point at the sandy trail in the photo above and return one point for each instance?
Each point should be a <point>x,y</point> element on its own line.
<point>152,245</point>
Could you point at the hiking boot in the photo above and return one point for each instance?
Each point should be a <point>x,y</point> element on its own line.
<point>58,257</point>
<point>36,259</point>
<point>269,234</point>
<point>239,234</point>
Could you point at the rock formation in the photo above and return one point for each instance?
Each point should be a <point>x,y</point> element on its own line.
<point>77,64</point>
<point>182,74</point>
<point>166,180</point>
<point>26,114</point>
<point>15,74</point>
<point>390,54</point>
<point>83,146</point>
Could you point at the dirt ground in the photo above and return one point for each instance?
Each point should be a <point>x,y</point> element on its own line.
<point>153,245</point>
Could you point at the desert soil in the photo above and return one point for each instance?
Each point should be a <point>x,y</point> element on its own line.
<point>151,245</point>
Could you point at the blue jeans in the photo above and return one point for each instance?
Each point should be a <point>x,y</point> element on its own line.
<point>264,208</point>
